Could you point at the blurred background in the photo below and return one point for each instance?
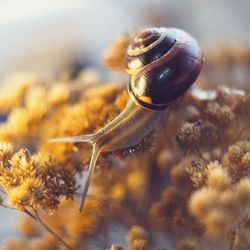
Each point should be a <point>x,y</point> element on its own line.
<point>42,35</point>
<point>46,36</point>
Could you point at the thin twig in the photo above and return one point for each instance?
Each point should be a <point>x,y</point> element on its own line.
<point>50,230</point>
<point>6,206</point>
<point>30,214</point>
<point>36,217</point>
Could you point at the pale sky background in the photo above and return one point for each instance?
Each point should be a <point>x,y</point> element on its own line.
<point>52,30</point>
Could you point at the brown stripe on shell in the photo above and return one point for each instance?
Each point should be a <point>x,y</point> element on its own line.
<point>165,58</point>
<point>198,61</point>
<point>182,74</point>
<point>136,52</point>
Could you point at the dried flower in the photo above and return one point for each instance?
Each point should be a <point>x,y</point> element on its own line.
<point>179,173</point>
<point>243,193</point>
<point>20,198</point>
<point>222,116</point>
<point>138,238</point>
<point>187,244</point>
<point>58,93</point>
<point>245,160</point>
<point>35,187</point>
<point>217,176</point>
<point>189,135</point>
<point>168,204</point>
<point>9,178</point>
<point>237,151</point>
<point>26,194</point>
<point>202,200</point>
<point>21,163</point>
<point>236,160</point>
<point>13,90</point>
<point>216,221</point>
<point>213,130</point>
<point>197,173</point>
<point>114,56</point>
<point>6,150</point>
<point>116,247</point>
<point>164,159</point>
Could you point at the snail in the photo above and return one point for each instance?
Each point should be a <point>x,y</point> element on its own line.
<point>162,63</point>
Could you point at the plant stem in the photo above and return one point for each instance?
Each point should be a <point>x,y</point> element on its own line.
<point>37,218</point>
<point>50,230</point>
<point>30,214</point>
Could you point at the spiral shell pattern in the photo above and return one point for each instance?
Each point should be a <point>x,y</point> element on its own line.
<point>163,63</point>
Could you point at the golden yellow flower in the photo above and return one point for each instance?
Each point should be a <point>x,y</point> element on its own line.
<point>6,150</point>
<point>118,191</point>
<point>5,133</point>
<point>13,90</point>
<point>35,96</point>
<point>217,177</point>
<point>243,193</point>
<point>136,181</point>
<point>26,194</point>
<point>19,197</point>
<point>215,221</point>
<point>114,56</point>
<point>138,238</point>
<point>245,160</point>
<point>88,77</point>
<point>36,103</point>
<point>34,186</point>
<point>202,200</point>
<point>18,122</point>
<point>9,178</point>
<point>21,163</point>
<point>36,113</point>
<point>58,93</point>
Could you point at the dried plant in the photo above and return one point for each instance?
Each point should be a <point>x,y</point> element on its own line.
<point>186,186</point>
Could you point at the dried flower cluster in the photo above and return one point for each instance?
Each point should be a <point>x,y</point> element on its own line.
<point>186,186</point>
<point>32,181</point>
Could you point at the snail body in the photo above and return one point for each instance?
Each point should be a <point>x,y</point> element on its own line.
<point>162,64</point>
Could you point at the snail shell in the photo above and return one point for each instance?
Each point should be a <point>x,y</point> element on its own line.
<point>163,63</point>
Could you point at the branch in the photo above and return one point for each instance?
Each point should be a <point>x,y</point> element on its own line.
<point>50,230</point>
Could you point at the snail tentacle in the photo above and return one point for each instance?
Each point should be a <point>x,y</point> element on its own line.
<point>95,153</point>
<point>79,138</point>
